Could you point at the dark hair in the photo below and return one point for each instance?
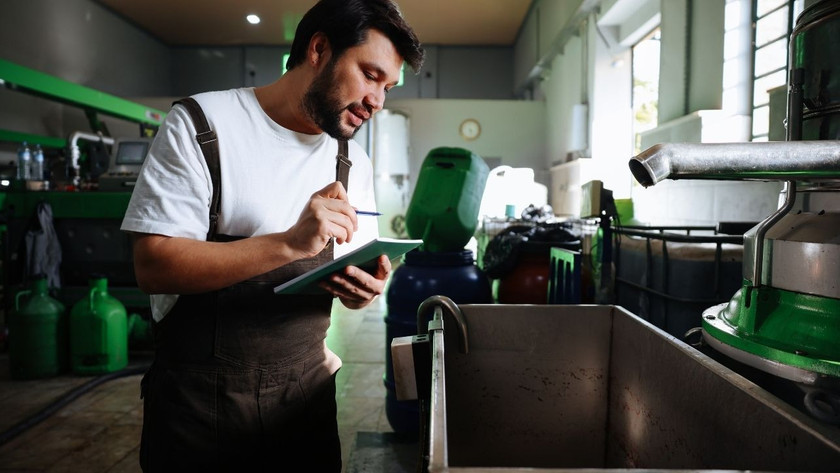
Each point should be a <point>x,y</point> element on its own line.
<point>346,23</point>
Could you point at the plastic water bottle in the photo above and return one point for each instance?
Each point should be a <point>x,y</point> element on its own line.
<point>24,157</point>
<point>37,171</point>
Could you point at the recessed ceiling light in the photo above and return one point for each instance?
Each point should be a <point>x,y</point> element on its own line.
<point>253,19</point>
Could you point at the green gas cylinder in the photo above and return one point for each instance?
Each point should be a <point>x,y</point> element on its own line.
<point>37,334</point>
<point>98,331</point>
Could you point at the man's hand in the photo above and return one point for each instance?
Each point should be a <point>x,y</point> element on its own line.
<point>357,288</point>
<point>328,214</point>
<point>170,265</point>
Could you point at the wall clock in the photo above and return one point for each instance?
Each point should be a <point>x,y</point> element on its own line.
<point>470,129</point>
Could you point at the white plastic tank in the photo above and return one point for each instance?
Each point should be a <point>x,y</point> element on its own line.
<point>506,186</point>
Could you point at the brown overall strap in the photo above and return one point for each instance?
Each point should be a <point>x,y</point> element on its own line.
<point>342,165</point>
<point>209,144</point>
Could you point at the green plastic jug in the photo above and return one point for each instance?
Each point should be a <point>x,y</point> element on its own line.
<point>98,331</point>
<point>445,204</point>
<point>37,334</point>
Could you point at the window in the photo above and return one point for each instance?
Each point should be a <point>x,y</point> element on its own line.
<point>645,85</point>
<point>772,24</point>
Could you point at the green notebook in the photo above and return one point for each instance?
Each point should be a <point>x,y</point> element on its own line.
<point>363,257</point>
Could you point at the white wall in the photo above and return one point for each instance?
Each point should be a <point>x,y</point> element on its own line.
<point>563,89</point>
<point>595,68</point>
<point>673,64</point>
<point>611,115</point>
<point>705,65</point>
<point>512,130</point>
<point>705,202</point>
<point>693,82</point>
<point>707,107</point>
<point>592,69</point>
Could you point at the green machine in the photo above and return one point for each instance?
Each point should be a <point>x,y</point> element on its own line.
<point>88,206</point>
<point>785,320</point>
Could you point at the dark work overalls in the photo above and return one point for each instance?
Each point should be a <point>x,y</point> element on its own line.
<point>238,382</point>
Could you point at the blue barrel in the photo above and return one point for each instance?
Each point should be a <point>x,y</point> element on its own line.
<point>421,275</point>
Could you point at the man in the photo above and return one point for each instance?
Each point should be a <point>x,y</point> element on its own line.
<point>222,213</point>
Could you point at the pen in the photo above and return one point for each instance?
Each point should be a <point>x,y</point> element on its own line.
<point>366,212</point>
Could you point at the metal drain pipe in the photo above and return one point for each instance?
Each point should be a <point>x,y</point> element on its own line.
<point>768,161</point>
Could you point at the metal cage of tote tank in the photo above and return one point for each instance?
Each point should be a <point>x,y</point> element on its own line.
<point>658,268</point>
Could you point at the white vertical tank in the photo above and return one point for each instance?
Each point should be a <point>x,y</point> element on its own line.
<point>389,149</point>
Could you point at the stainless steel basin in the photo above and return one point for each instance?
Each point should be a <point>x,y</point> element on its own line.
<point>560,388</point>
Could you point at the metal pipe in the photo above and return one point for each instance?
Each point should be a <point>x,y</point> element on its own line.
<point>438,443</point>
<point>74,148</point>
<point>780,160</point>
<point>761,230</point>
<point>793,122</point>
<point>775,160</point>
<point>434,303</point>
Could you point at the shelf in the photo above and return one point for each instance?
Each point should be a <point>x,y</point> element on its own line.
<point>45,141</point>
<point>23,79</point>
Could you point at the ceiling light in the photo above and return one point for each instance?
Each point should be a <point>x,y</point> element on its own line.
<point>253,19</point>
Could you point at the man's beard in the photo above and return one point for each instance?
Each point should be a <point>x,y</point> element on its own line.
<point>323,107</point>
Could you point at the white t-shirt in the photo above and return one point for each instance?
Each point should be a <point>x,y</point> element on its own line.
<point>268,173</point>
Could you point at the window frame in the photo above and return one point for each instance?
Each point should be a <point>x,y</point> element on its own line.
<point>792,8</point>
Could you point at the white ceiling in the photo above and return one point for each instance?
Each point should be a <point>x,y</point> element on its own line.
<point>222,22</point>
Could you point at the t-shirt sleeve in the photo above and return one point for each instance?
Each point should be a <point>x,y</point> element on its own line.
<point>173,192</point>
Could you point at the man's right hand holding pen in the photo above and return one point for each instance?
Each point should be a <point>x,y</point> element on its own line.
<point>328,214</point>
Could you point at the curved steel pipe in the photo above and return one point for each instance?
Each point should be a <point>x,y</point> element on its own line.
<point>775,160</point>
<point>436,305</point>
<point>75,153</point>
<point>761,230</point>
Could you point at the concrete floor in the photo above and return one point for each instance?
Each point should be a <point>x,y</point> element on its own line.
<point>100,431</point>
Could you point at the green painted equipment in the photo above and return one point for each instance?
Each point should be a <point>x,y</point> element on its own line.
<point>37,334</point>
<point>794,329</point>
<point>445,204</point>
<point>785,319</point>
<point>98,331</point>
<point>37,83</point>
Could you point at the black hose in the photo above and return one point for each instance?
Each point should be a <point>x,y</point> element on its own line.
<point>64,400</point>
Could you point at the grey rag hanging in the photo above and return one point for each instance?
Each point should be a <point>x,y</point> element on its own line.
<point>43,250</point>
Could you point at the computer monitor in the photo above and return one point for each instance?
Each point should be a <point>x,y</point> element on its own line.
<point>127,157</point>
<point>128,152</point>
